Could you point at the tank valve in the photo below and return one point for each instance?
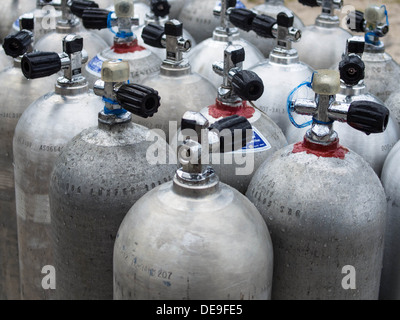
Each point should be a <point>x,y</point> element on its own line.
<point>169,37</point>
<point>352,68</point>
<point>120,97</point>
<point>244,84</point>
<point>78,6</point>
<point>366,116</point>
<point>16,45</point>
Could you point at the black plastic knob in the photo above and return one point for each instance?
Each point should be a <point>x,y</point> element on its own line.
<point>95,18</point>
<point>231,3</point>
<point>284,20</point>
<point>262,25</point>
<point>40,64</point>
<point>368,116</point>
<point>152,35</point>
<point>173,28</point>
<point>78,6</point>
<point>309,3</point>
<point>233,124</point>
<point>351,69</point>
<point>242,18</point>
<point>17,44</point>
<point>356,47</point>
<point>139,100</point>
<point>27,23</point>
<point>247,85</point>
<point>355,21</point>
<point>160,8</point>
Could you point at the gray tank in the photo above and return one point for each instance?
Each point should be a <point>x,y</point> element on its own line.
<point>373,148</point>
<point>40,135</point>
<point>328,244</point>
<point>282,72</point>
<point>180,88</point>
<point>176,242</point>
<point>142,61</point>
<point>98,176</point>
<point>210,50</point>
<point>393,104</point>
<point>390,281</point>
<point>17,93</point>
<point>238,87</point>
<point>323,43</point>
<point>5,61</point>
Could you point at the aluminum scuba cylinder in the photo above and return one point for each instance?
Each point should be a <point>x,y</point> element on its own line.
<point>375,148</point>
<point>197,17</point>
<point>184,231</point>
<point>282,71</point>
<point>41,133</point>
<point>180,88</point>
<point>381,71</point>
<point>159,15</point>
<point>324,205</point>
<point>142,61</point>
<point>16,93</point>
<point>237,89</point>
<point>70,24</point>
<point>5,61</point>
<point>98,176</point>
<point>210,50</point>
<point>322,44</point>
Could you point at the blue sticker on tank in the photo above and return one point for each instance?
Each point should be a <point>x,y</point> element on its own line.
<point>94,65</point>
<point>16,24</point>
<point>258,143</point>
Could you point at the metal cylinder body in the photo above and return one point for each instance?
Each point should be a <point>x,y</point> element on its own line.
<point>326,215</point>
<point>321,47</point>
<point>279,80</point>
<point>17,93</point>
<point>180,91</point>
<point>11,10</point>
<point>390,280</point>
<point>176,243</point>
<point>393,104</point>
<point>211,50</point>
<point>42,132</point>
<point>381,72</point>
<point>236,169</point>
<point>270,8</point>
<point>5,61</point>
<point>99,175</point>
<point>142,63</point>
<point>374,148</point>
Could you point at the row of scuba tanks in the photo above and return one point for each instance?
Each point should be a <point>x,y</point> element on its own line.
<point>144,160</point>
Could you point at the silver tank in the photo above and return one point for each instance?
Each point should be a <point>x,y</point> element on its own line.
<point>180,88</point>
<point>270,8</point>
<point>313,196</point>
<point>98,176</point>
<point>323,43</point>
<point>10,10</point>
<point>176,243</point>
<point>5,61</point>
<point>390,282</point>
<point>17,93</point>
<point>41,134</point>
<point>212,49</point>
<point>281,73</point>
<point>393,104</point>
<point>198,19</point>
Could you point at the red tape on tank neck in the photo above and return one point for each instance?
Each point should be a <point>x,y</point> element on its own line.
<point>219,109</point>
<point>132,46</point>
<point>334,150</point>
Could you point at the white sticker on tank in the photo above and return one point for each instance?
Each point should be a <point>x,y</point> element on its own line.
<point>258,143</point>
<point>38,210</point>
<point>94,66</point>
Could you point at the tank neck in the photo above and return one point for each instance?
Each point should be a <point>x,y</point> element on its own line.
<point>375,48</point>
<point>109,122</point>
<point>283,56</point>
<point>327,21</point>
<point>67,87</point>
<point>68,26</point>
<point>356,90</point>
<point>226,35</point>
<point>181,69</point>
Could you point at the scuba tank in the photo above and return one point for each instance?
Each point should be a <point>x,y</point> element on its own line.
<point>196,16</point>
<point>177,241</point>
<point>5,61</point>
<point>237,168</point>
<point>210,50</point>
<point>176,7</point>
<point>68,24</point>
<point>324,205</point>
<point>159,15</point>
<point>393,103</point>
<point>321,44</point>
<point>45,14</point>
<point>11,10</point>
<point>390,284</point>
<point>375,148</point>
<point>16,93</point>
<point>283,70</point>
<point>40,135</point>
<point>271,8</point>
<point>180,88</point>
<point>142,61</point>
<point>98,176</point>
<point>380,68</point>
